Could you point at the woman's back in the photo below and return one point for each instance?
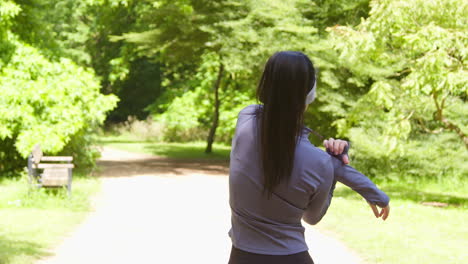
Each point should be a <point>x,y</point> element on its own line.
<point>273,225</point>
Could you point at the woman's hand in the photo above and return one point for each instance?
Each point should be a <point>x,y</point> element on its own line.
<point>383,213</point>
<point>336,147</point>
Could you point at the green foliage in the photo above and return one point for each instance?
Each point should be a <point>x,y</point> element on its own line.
<point>392,86</point>
<point>48,103</point>
<point>181,29</point>
<point>406,60</point>
<point>439,157</point>
<point>268,27</point>
<point>8,10</point>
<point>55,34</point>
<point>392,74</point>
<point>327,13</point>
<point>412,56</point>
<point>243,42</point>
<point>135,79</point>
<point>188,116</point>
<point>139,89</point>
<point>182,119</point>
<point>82,146</point>
<point>47,98</point>
<point>256,28</point>
<point>80,31</point>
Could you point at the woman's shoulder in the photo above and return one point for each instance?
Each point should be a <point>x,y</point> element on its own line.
<point>312,156</point>
<point>250,109</point>
<point>313,167</point>
<point>245,120</point>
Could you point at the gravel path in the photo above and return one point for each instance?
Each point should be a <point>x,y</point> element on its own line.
<point>156,210</point>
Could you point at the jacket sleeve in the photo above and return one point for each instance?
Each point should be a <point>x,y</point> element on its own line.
<point>315,211</point>
<point>357,181</point>
<point>321,199</point>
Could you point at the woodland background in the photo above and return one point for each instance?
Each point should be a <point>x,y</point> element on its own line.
<point>392,75</point>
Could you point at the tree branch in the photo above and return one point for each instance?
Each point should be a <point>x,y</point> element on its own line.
<point>447,123</point>
<point>426,129</point>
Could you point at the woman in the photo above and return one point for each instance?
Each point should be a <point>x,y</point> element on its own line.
<point>277,177</point>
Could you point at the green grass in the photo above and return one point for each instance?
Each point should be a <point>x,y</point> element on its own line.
<point>414,233</point>
<point>32,221</point>
<point>191,150</point>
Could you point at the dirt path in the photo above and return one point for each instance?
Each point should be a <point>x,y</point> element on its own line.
<point>154,210</point>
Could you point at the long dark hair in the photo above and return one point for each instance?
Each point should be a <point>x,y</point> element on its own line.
<point>286,80</point>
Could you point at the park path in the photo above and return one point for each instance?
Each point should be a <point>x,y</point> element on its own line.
<point>161,211</point>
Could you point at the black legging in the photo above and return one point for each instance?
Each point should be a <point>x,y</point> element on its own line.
<point>243,257</point>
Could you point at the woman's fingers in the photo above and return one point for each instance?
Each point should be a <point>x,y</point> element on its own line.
<point>325,143</point>
<point>328,143</point>
<point>345,159</point>
<point>374,209</point>
<point>385,212</point>
<point>337,147</point>
<point>342,144</point>
<point>332,145</point>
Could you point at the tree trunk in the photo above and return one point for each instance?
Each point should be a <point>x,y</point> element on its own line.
<point>447,124</point>
<point>214,125</point>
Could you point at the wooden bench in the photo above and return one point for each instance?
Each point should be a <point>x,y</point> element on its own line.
<point>56,174</point>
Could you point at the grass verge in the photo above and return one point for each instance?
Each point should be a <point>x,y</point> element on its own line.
<point>413,233</point>
<point>32,221</point>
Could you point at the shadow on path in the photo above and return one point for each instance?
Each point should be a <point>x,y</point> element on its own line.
<point>122,168</point>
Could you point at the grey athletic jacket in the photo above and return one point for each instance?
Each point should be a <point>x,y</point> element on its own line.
<point>273,226</point>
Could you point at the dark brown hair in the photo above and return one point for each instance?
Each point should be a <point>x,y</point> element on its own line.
<point>286,80</point>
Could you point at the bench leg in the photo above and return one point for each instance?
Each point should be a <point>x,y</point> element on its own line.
<point>30,170</point>
<point>69,186</point>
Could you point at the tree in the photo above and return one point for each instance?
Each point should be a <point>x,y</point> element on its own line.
<point>8,10</point>
<point>80,31</point>
<point>185,31</point>
<point>327,13</point>
<point>412,54</point>
<point>407,62</point>
<point>46,98</point>
<point>47,103</point>
<point>241,34</point>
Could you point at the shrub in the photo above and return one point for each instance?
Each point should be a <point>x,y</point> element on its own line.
<point>439,157</point>
<point>189,116</point>
<point>54,103</point>
<point>146,130</point>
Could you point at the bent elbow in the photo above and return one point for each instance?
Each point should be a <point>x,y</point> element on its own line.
<point>312,219</point>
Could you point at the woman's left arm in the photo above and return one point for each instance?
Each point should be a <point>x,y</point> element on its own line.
<point>355,179</point>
